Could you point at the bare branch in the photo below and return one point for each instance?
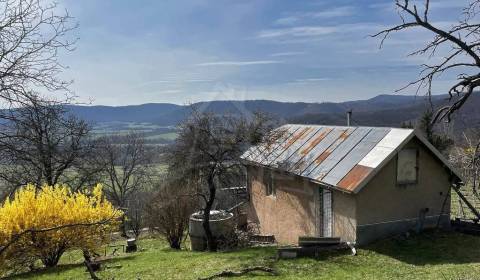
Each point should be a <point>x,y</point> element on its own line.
<point>463,39</point>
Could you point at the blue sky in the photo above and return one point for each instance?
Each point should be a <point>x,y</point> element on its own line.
<point>182,51</point>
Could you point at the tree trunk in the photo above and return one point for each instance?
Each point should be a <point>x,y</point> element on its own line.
<point>123,227</point>
<point>50,261</point>
<point>175,243</point>
<point>53,258</point>
<point>91,265</point>
<point>211,241</point>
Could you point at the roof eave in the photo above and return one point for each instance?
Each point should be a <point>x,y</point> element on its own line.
<point>424,141</point>
<point>383,163</point>
<point>316,182</point>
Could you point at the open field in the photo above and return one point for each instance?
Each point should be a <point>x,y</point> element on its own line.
<point>153,133</point>
<point>428,256</point>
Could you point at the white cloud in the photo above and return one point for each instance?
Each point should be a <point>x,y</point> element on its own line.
<point>313,32</point>
<point>309,81</point>
<point>312,80</point>
<point>239,63</point>
<point>301,31</point>
<point>153,83</point>
<point>199,81</point>
<point>335,12</point>
<point>438,4</point>
<point>287,20</point>
<point>169,91</point>
<point>446,4</point>
<point>287,54</point>
<point>343,11</point>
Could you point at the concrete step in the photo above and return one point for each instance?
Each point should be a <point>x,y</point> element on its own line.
<point>262,238</point>
<point>309,241</point>
<point>292,252</point>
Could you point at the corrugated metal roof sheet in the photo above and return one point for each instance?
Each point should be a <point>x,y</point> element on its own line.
<point>340,157</point>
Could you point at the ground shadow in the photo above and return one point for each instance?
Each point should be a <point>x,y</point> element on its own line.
<point>430,248</point>
<point>65,267</point>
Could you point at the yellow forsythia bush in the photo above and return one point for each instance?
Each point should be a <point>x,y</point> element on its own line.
<point>79,220</point>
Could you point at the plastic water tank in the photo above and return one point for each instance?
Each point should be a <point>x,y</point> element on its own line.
<point>221,224</point>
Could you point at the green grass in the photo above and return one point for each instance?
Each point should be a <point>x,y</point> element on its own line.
<point>169,136</point>
<point>459,208</point>
<point>428,256</point>
<point>153,133</point>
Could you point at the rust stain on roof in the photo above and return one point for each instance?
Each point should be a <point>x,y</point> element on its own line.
<point>327,154</point>
<point>307,132</point>
<point>354,177</point>
<point>344,135</point>
<point>322,157</point>
<point>297,136</point>
<point>332,147</point>
<point>315,142</point>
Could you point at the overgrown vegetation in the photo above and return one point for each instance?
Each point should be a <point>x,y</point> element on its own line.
<point>169,209</point>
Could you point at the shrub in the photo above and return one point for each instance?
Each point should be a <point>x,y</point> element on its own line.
<point>169,210</point>
<point>43,224</point>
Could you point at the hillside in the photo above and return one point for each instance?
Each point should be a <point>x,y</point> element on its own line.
<point>382,110</point>
<point>427,256</point>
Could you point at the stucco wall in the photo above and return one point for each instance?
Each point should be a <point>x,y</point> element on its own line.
<point>380,209</point>
<point>384,208</point>
<point>344,216</point>
<point>291,213</point>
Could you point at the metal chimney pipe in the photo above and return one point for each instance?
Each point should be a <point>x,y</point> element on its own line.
<point>349,117</point>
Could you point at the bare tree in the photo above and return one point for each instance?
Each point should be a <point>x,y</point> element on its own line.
<point>32,34</point>
<point>127,168</point>
<point>462,58</point>
<point>170,207</point>
<point>208,149</point>
<point>43,144</point>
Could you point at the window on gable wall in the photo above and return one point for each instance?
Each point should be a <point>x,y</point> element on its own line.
<point>407,167</point>
<point>268,182</point>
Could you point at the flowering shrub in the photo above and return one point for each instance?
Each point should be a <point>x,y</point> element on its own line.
<point>44,224</point>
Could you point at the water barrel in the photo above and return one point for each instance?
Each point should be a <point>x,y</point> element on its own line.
<point>221,224</point>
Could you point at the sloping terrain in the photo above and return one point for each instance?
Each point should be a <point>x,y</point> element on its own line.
<point>427,256</point>
<point>382,110</point>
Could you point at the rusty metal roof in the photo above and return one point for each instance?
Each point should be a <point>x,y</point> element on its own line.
<point>340,157</point>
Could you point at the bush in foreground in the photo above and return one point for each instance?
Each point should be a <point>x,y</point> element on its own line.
<point>44,224</point>
<point>169,210</point>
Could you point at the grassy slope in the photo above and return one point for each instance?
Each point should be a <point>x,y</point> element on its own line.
<point>169,136</point>
<point>459,209</point>
<point>430,256</point>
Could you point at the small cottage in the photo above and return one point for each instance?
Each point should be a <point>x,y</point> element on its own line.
<point>357,183</point>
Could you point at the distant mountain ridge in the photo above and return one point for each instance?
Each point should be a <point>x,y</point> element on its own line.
<point>382,110</point>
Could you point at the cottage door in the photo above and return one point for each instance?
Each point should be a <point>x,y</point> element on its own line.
<point>327,216</point>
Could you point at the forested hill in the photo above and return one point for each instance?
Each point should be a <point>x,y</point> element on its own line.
<point>382,110</point>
